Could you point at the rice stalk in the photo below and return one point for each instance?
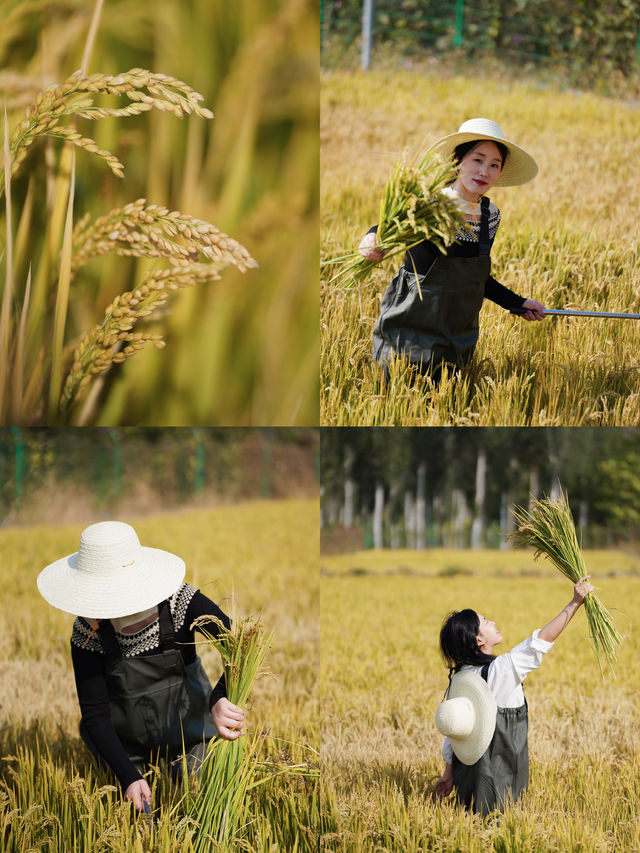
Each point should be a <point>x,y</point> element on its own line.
<point>548,527</point>
<point>220,806</point>
<point>62,299</point>
<point>412,209</point>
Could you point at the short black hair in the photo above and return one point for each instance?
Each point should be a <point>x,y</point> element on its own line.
<point>459,640</point>
<point>461,150</point>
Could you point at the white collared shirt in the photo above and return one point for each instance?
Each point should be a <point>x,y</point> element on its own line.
<point>506,674</point>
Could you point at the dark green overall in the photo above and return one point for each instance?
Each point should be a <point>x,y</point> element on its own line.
<point>502,773</point>
<point>156,702</point>
<point>432,319</point>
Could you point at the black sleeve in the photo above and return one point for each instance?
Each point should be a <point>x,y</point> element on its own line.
<point>501,295</point>
<point>200,605</point>
<point>89,671</point>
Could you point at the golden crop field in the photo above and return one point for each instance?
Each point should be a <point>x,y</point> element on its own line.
<point>382,679</point>
<point>566,239</point>
<point>51,798</point>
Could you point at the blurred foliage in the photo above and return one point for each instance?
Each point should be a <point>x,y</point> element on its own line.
<point>598,467</point>
<point>241,351</point>
<point>588,40</point>
<point>65,473</point>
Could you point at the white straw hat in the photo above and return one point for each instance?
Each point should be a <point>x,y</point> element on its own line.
<point>111,575</point>
<point>519,167</point>
<point>468,716</point>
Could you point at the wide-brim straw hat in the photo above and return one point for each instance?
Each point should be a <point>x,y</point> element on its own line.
<point>468,716</point>
<point>111,574</point>
<point>519,168</point>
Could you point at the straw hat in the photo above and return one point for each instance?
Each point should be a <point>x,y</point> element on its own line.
<point>468,716</point>
<point>111,575</point>
<point>519,168</point>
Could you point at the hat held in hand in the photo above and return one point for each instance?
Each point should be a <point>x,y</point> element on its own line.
<point>468,716</point>
<point>111,575</point>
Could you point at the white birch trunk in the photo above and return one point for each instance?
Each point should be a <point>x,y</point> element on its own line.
<point>378,515</point>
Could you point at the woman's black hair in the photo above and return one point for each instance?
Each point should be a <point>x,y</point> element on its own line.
<point>459,640</point>
<point>461,150</point>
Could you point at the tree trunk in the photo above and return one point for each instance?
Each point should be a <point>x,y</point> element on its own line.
<point>378,515</point>
<point>421,507</point>
<point>477,529</point>
<point>349,486</point>
<point>534,485</point>
<point>409,520</point>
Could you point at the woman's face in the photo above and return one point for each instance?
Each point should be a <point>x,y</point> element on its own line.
<point>480,168</point>
<point>488,634</point>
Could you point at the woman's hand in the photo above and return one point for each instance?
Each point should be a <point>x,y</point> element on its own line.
<point>139,793</point>
<point>368,248</point>
<point>227,718</point>
<point>444,785</point>
<point>535,310</point>
<point>581,589</point>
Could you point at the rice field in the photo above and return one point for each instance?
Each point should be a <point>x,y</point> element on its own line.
<point>51,796</point>
<point>381,680</point>
<point>564,239</point>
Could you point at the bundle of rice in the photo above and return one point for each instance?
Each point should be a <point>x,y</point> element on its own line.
<point>549,528</point>
<point>229,767</point>
<point>412,209</point>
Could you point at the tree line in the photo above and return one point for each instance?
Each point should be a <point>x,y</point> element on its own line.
<point>457,487</point>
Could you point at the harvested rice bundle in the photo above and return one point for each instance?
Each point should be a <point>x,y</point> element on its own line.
<point>228,770</point>
<point>549,528</point>
<point>412,209</point>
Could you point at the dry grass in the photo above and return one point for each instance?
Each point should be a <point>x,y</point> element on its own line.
<point>564,239</point>
<point>381,684</point>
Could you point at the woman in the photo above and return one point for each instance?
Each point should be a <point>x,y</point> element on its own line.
<point>429,313</point>
<point>486,765</point>
<point>141,687</point>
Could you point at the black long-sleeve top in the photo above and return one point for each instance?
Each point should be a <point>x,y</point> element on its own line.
<point>425,253</point>
<point>89,665</point>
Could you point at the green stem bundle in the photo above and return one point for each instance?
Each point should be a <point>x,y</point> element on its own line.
<point>229,767</point>
<point>549,528</point>
<point>412,209</point>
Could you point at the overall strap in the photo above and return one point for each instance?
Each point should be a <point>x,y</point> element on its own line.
<point>483,239</point>
<point>167,631</point>
<point>485,671</point>
<point>109,640</point>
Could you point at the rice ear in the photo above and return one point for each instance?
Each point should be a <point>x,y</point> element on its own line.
<point>549,528</point>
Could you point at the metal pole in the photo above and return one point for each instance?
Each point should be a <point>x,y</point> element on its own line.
<point>457,40</point>
<point>562,312</point>
<point>19,460</point>
<point>198,477</point>
<point>367,34</point>
<point>114,434</point>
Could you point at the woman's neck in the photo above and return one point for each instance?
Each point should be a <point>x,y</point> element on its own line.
<point>458,188</point>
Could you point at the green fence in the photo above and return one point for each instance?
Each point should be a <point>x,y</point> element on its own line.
<point>583,37</point>
<point>152,468</point>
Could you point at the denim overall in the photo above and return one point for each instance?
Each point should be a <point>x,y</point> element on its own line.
<point>156,702</point>
<point>432,319</point>
<point>502,773</point>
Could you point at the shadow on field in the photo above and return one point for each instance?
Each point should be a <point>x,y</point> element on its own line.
<point>386,777</point>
